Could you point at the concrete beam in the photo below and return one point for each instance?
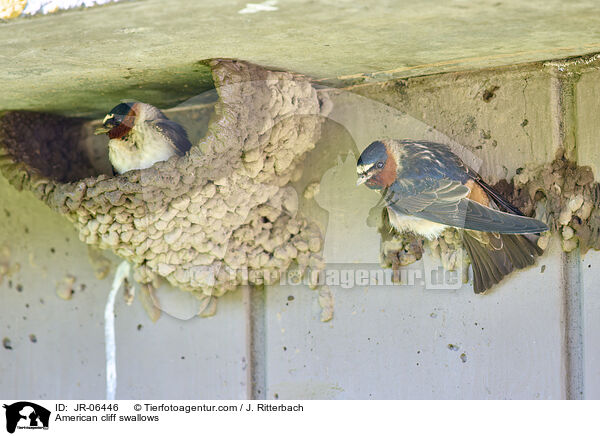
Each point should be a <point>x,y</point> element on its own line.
<point>81,62</point>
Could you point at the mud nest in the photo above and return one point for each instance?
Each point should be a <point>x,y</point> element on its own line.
<point>207,222</point>
<point>565,195</point>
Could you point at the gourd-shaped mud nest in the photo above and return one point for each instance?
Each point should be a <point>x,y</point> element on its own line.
<point>220,216</point>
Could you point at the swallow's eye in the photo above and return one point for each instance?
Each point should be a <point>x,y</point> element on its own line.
<point>379,165</point>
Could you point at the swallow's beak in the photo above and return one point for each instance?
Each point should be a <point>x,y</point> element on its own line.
<point>101,130</point>
<point>362,178</point>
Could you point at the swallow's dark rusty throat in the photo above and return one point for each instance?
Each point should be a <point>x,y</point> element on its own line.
<point>427,188</point>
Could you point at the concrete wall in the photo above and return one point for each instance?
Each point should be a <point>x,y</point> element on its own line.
<point>535,336</point>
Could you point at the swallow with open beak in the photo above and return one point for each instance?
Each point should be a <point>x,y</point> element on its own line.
<point>141,135</point>
<point>427,188</point>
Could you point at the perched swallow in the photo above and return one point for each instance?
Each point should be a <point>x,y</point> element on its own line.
<point>427,188</point>
<point>141,135</point>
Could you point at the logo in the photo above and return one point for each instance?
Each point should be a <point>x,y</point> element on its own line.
<point>26,415</point>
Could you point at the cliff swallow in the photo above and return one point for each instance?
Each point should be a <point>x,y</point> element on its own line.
<point>427,188</point>
<point>141,135</point>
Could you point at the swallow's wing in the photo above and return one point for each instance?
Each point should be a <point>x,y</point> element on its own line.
<point>174,133</point>
<point>445,201</point>
<point>425,156</point>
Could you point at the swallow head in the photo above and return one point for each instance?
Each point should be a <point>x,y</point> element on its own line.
<point>376,167</point>
<point>119,121</point>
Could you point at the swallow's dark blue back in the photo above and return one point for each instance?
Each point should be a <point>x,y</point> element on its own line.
<point>423,160</point>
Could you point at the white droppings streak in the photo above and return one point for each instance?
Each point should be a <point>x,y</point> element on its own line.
<point>123,271</point>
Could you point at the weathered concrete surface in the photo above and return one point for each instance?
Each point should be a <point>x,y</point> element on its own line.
<point>63,363</point>
<point>203,358</point>
<point>488,112</point>
<point>393,342</point>
<point>587,98</point>
<point>406,340</point>
<point>83,61</point>
<point>168,359</point>
<point>513,340</point>
<point>590,265</point>
<point>587,93</point>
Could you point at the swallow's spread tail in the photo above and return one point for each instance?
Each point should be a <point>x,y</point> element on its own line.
<point>494,256</point>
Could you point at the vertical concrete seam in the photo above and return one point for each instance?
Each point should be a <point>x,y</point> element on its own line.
<point>573,321</point>
<point>255,312</point>
<point>564,129</point>
<point>564,123</point>
<point>249,368</point>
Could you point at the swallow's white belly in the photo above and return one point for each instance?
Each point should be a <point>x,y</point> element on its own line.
<point>419,226</point>
<point>124,155</point>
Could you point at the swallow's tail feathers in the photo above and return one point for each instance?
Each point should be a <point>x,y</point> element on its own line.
<point>490,265</point>
<point>522,249</point>
<point>498,256</point>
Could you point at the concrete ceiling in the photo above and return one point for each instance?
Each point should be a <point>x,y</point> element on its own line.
<point>82,62</point>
